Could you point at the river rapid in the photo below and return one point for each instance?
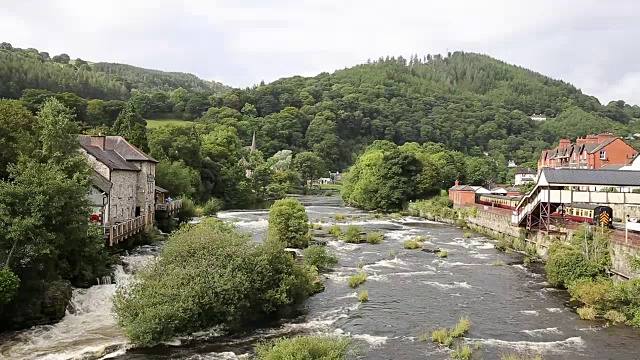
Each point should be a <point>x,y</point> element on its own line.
<point>512,308</point>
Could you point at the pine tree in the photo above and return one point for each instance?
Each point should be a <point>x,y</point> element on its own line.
<point>131,126</point>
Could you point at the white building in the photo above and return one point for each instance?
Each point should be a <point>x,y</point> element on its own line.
<point>524,176</point>
<point>536,117</point>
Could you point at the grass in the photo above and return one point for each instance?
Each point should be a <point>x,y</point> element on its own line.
<point>498,262</point>
<point>528,260</point>
<point>412,244</point>
<point>316,226</point>
<point>363,296</point>
<point>352,235</point>
<point>330,186</point>
<point>357,280</point>
<point>335,230</point>
<point>615,316</point>
<point>441,336</point>
<point>374,237</point>
<point>520,357</point>
<point>392,253</point>
<point>462,327</point>
<point>587,313</point>
<point>442,254</point>
<point>467,235</point>
<point>340,217</point>
<point>154,124</point>
<point>461,352</point>
<point>420,239</point>
<point>360,265</point>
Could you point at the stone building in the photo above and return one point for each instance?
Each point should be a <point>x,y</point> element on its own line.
<point>123,180</point>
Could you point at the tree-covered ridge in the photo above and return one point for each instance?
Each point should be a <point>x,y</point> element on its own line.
<point>468,102</point>
<point>22,69</point>
<point>140,78</point>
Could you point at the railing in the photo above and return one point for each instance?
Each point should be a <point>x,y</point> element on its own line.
<point>171,207</point>
<point>121,231</point>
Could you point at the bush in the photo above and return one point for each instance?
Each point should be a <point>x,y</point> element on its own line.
<point>374,237</point>
<point>318,256</point>
<point>340,217</point>
<point>467,235</point>
<point>504,243</point>
<point>352,234</point>
<point>462,327</point>
<point>212,207</point>
<point>587,313</point>
<point>363,296</point>
<point>245,283</point>
<point>316,227</point>
<point>615,316</point>
<point>566,264</point>
<point>592,292</point>
<point>442,336</point>
<point>412,244</point>
<point>442,253</point>
<point>520,357</point>
<point>498,262</point>
<point>420,239</point>
<point>302,348</point>
<point>187,211</point>
<point>335,231</point>
<point>289,223</point>
<point>357,280</point>
<point>392,253</point>
<point>462,352</point>
<point>9,285</point>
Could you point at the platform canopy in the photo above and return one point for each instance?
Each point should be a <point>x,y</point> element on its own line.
<point>586,177</point>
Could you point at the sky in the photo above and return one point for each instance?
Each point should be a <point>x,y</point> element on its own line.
<point>591,44</point>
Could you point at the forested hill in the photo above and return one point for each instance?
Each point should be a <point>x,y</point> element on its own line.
<point>22,69</point>
<point>469,102</point>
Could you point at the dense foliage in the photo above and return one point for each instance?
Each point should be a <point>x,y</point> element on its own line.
<point>319,256</point>
<point>245,284</point>
<point>45,236</point>
<point>289,223</point>
<point>303,348</point>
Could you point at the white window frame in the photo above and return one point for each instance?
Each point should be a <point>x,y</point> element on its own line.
<point>603,154</point>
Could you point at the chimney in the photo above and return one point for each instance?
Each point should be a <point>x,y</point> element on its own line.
<point>591,139</point>
<point>581,141</point>
<point>457,182</point>
<point>98,141</point>
<point>604,136</point>
<point>564,143</point>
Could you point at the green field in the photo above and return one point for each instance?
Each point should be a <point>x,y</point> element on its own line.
<point>152,124</point>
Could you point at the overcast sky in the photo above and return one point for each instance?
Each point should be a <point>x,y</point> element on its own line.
<point>592,44</point>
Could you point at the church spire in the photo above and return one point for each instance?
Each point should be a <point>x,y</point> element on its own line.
<point>254,147</point>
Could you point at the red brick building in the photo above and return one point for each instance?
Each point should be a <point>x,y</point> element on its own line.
<point>462,195</point>
<point>592,152</point>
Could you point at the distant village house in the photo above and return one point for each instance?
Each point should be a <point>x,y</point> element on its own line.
<point>593,152</point>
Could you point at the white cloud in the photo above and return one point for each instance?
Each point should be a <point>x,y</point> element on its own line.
<point>243,42</point>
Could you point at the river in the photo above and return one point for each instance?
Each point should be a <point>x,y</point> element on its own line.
<point>511,307</point>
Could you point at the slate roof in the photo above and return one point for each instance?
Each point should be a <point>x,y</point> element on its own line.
<point>110,158</point>
<point>126,150</point>
<point>100,181</point>
<point>602,144</point>
<point>592,177</point>
<point>525,171</point>
<point>162,190</point>
<point>462,188</point>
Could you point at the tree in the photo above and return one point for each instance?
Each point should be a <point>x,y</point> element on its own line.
<point>18,133</point>
<point>131,126</point>
<point>178,178</point>
<point>309,165</point>
<point>289,223</point>
<point>281,161</point>
<point>62,59</point>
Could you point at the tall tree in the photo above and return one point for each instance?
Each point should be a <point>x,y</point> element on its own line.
<point>131,126</point>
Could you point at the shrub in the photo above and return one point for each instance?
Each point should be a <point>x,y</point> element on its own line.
<point>615,316</point>
<point>442,253</point>
<point>316,227</point>
<point>460,223</point>
<point>592,292</point>
<point>340,217</point>
<point>352,234</point>
<point>504,243</point>
<point>357,280</point>
<point>374,237</point>
<point>520,357</point>
<point>9,285</point>
<point>462,352</point>
<point>420,239</point>
<point>442,336</point>
<point>303,347</point>
<point>187,211</point>
<point>587,313</point>
<point>212,207</point>
<point>392,253</point>
<point>498,262</point>
<point>288,223</point>
<point>462,327</point>
<point>412,244</point>
<point>363,296</point>
<point>335,231</point>
<point>467,235</point>
<point>527,260</point>
<point>318,256</point>
<point>360,265</point>
<point>566,264</point>
<point>250,282</point>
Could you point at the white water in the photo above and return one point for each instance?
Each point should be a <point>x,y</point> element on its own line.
<point>88,328</point>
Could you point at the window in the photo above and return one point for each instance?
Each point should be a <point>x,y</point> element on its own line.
<point>603,155</point>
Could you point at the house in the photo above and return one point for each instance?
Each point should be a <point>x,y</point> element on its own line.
<point>123,192</point>
<point>592,152</point>
<point>540,117</point>
<point>462,195</point>
<point>511,164</point>
<point>524,176</point>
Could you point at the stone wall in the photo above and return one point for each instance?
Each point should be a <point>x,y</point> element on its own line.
<point>145,186</point>
<point>99,167</point>
<point>122,199</point>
